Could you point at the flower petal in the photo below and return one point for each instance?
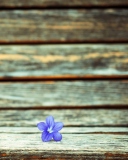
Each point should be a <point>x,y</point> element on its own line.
<point>50,121</point>
<point>57,136</point>
<point>41,126</point>
<point>58,126</point>
<point>46,136</point>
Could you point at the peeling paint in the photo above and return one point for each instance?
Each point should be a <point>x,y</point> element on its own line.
<point>51,58</point>
<point>13,57</point>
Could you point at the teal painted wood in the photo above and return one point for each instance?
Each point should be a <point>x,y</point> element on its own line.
<point>84,146</point>
<point>63,61</point>
<point>70,117</point>
<point>64,26</point>
<point>62,94</point>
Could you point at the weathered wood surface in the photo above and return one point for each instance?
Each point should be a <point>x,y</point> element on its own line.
<point>68,130</point>
<point>52,61</point>
<point>64,94</point>
<point>70,118</point>
<point>60,3</point>
<point>75,25</point>
<point>73,146</point>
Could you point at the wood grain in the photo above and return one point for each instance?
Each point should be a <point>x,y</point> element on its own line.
<point>67,130</point>
<point>61,61</point>
<point>70,118</point>
<point>60,26</point>
<point>73,146</point>
<point>60,3</point>
<point>63,94</point>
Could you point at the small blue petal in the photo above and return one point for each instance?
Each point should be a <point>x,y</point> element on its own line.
<point>50,121</point>
<point>46,136</point>
<point>41,126</point>
<point>57,136</point>
<point>58,126</point>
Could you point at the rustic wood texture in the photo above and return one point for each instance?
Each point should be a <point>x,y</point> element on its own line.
<point>60,3</point>
<point>69,81</point>
<point>64,94</point>
<point>70,118</point>
<point>68,130</point>
<point>73,146</point>
<point>74,25</point>
<point>52,61</point>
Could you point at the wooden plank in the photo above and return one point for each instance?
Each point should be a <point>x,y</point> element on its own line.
<point>74,25</point>
<point>72,146</point>
<point>68,130</point>
<point>63,61</point>
<point>60,3</point>
<point>70,118</point>
<point>63,94</point>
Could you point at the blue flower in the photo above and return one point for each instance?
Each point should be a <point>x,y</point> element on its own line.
<point>50,129</point>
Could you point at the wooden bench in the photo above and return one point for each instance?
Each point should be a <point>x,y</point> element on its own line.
<point>68,59</point>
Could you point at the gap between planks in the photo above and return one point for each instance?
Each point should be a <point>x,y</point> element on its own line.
<point>62,78</point>
<point>53,42</point>
<point>110,107</point>
<point>64,7</point>
<point>59,3</point>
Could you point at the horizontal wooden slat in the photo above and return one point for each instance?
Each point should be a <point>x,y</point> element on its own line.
<point>76,117</point>
<point>64,94</point>
<point>60,3</point>
<point>73,146</point>
<point>69,130</point>
<point>62,61</point>
<point>50,26</point>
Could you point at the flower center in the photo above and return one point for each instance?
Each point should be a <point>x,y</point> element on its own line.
<point>50,130</point>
